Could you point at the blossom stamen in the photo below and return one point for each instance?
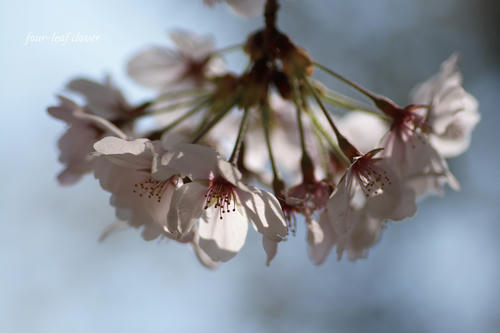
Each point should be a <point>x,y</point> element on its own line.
<point>151,188</point>
<point>221,194</point>
<point>371,178</point>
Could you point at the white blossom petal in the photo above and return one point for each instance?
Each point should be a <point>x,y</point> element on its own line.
<point>264,211</point>
<point>104,100</point>
<point>320,238</point>
<point>156,67</point>
<point>202,256</point>
<point>186,208</point>
<point>453,113</point>
<point>112,228</point>
<point>247,8</point>
<point>192,160</point>
<point>126,152</point>
<point>271,248</point>
<point>192,45</point>
<point>222,239</point>
<point>138,199</point>
<point>338,207</point>
<point>363,130</point>
<point>396,201</point>
<point>364,235</point>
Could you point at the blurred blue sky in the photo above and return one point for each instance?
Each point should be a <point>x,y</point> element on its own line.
<point>437,272</point>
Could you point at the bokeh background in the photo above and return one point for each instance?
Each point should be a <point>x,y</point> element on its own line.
<point>438,272</point>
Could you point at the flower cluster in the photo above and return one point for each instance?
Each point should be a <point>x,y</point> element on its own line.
<point>263,146</point>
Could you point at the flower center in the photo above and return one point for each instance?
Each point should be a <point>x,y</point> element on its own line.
<point>372,178</point>
<point>411,124</point>
<point>221,194</point>
<point>152,188</point>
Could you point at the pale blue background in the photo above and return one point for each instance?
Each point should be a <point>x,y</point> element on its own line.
<point>438,272</point>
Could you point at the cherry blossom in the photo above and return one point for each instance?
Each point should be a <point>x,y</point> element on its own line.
<point>123,168</point>
<point>452,114</point>
<point>219,200</point>
<point>362,235</point>
<point>103,99</point>
<point>76,144</point>
<point>245,8</point>
<point>310,199</point>
<point>185,67</point>
<point>347,174</point>
<point>418,163</point>
<point>370,183</point>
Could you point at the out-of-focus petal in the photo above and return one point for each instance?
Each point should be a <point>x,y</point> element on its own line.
<point>320,238</point>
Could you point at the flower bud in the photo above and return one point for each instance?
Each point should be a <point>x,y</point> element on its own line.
<point>282,83</point>
<point>298,63</point>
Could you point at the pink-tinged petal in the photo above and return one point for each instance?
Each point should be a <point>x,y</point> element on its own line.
<point>230,173</point>
<point>114,146</point>
<point>264,211</point>
<point>69,177</point>
<point>365,235</point>
<point>387,196</point>
<point>64,111</point>
<point>419,164</point>
<point>136,154</point>
<point>138,199</point>
<point>453,112</point>
<point>193,161</point>
<point>433,179</point>
<point>156,67</point>
<point>191,45</point>
<point>222,239</point>
<point>407,205</point>
<point>415,153</point>
<point>100,123</point>
<point>363,130</point>
<point>247,8</point>
<point>320,238</point>
<point>75,148</point>
<point>104,100</point>
<point>186,208</point>
<point>338,207</point>
<point>111,229</point>
<point>271,248</point>
<point>202,256</point>
<point>160,170</point>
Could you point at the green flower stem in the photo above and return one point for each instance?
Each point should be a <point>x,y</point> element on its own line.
<point>229,48</point>
<point>337,99</point>
<point>177,106</point>
<point>188,114</point>
<point>265,124</point>
<point>218,117</point>
<point>296,95</point>
<point>240,138</point>
<point>180,119</point>
<point>339,136</point>
<point>324,132</point>
<point>345,80</point>
<point>181,93</point>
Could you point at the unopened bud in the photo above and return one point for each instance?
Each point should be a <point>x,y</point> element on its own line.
<point>254,46</point>
<point>282,83</point>
<point>298,63</point>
